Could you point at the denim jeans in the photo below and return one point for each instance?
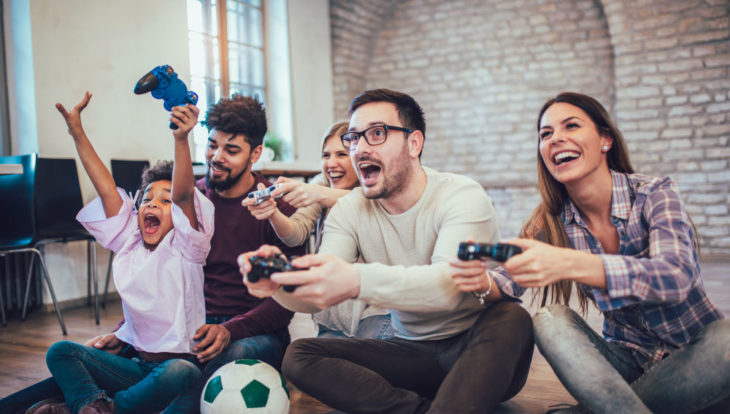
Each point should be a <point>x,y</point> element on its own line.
<point>373,327</point>
<point>268,348</point>
<point>467,373</point>
<point>605,378</point>
<point>86,374</point>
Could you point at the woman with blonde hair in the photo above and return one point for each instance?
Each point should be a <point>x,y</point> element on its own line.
<point>314,200</point>
<point>626,242</point>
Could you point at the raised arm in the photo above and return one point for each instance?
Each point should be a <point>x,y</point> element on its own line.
<point>100,176</point>
<point>183,180</point>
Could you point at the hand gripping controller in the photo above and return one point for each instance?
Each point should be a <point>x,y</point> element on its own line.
<point>164,84</point>
<point>264,194</point>
<point>264,267</point>
<point>499,252</point>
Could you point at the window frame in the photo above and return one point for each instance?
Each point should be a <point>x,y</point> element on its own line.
<point>211,78</point>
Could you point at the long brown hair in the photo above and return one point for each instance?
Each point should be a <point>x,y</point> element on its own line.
<point>545,222</point>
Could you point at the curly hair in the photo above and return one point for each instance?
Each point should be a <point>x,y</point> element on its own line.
<point>238,115</point>
<point>162,170</point>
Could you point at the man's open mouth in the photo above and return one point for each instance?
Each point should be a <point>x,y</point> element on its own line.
<point>216,170</point>
<point>369,172</point>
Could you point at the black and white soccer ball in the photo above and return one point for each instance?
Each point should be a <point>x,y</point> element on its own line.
<point>245,386</point>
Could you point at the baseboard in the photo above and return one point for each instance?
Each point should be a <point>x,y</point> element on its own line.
<point>77,303</point>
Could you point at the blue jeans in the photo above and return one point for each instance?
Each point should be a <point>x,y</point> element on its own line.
<point>268,348</point>
<point>372,327</point>
<point>86,374</point>
<point>605,378</point>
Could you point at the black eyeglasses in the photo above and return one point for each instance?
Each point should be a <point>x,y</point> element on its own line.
<point>375,135</point>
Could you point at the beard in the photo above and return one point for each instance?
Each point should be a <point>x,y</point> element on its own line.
<point>394,182</point>
<point>219,185</point>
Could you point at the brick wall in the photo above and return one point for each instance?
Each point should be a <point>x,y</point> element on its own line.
<point>673,101</point>
<point>481,69</point>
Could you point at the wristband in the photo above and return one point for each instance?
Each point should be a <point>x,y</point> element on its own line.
<point>482,296</point>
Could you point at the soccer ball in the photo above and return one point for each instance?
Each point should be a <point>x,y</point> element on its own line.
<point>245,386</point>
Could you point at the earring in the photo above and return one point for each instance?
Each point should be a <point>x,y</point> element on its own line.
<point>605,148</point>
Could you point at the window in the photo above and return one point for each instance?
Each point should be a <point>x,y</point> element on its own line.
<point>227,54</point>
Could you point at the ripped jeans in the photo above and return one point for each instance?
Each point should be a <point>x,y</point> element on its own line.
<point>605,378</point>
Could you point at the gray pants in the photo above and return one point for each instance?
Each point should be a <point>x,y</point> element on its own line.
<point>605,378</point>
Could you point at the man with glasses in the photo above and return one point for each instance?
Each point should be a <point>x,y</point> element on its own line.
<point>452,352</point>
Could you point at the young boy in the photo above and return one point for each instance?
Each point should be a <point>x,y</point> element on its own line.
<point>158,271</point>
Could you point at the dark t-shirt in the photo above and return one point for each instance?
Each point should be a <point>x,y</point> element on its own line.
<point>236,232</point>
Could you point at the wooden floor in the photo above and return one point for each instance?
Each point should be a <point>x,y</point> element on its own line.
<point>23,346</point>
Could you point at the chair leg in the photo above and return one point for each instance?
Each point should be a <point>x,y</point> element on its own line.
<point>53,293</point>
<point>92,247</point>
<point>88,274</point>
<point>2,305</point>
<point>27,286</point>
<point>108,274</point>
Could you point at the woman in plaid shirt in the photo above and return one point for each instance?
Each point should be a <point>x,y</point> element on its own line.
<point>627,242</point>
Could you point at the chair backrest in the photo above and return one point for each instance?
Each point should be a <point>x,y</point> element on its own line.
<point>57,198</point>
<point>128,174</point>
<point>16,202</point>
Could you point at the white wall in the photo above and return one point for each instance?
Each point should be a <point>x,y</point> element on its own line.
<point>103,46</point>
<point>311,75</point>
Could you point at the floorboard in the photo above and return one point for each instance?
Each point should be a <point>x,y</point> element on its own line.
<point>23,346</point>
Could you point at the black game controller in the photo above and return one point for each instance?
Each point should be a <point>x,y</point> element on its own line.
<point>499,252</point>
<point>264,267</point>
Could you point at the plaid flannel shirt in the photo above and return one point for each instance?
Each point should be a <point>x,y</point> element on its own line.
<point>654,301</point>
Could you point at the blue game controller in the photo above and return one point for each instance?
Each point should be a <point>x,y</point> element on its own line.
<point>164,84</point>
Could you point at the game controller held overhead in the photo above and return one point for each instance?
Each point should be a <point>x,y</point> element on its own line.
<point>499,252</point>
<point>264,194</point>
<point>164,84</point>
<point>264,267</point>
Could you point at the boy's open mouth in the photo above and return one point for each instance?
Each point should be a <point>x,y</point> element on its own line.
<point>151,223</point>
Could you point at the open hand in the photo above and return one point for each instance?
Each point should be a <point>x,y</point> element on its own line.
<point>108,342</point>
<point>73,118</point>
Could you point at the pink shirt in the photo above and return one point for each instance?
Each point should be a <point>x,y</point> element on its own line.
<point>161,290</point>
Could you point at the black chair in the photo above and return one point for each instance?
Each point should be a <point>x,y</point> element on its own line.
<point>17,212</point>
<point>127,176</point>
<point>57,201</point>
